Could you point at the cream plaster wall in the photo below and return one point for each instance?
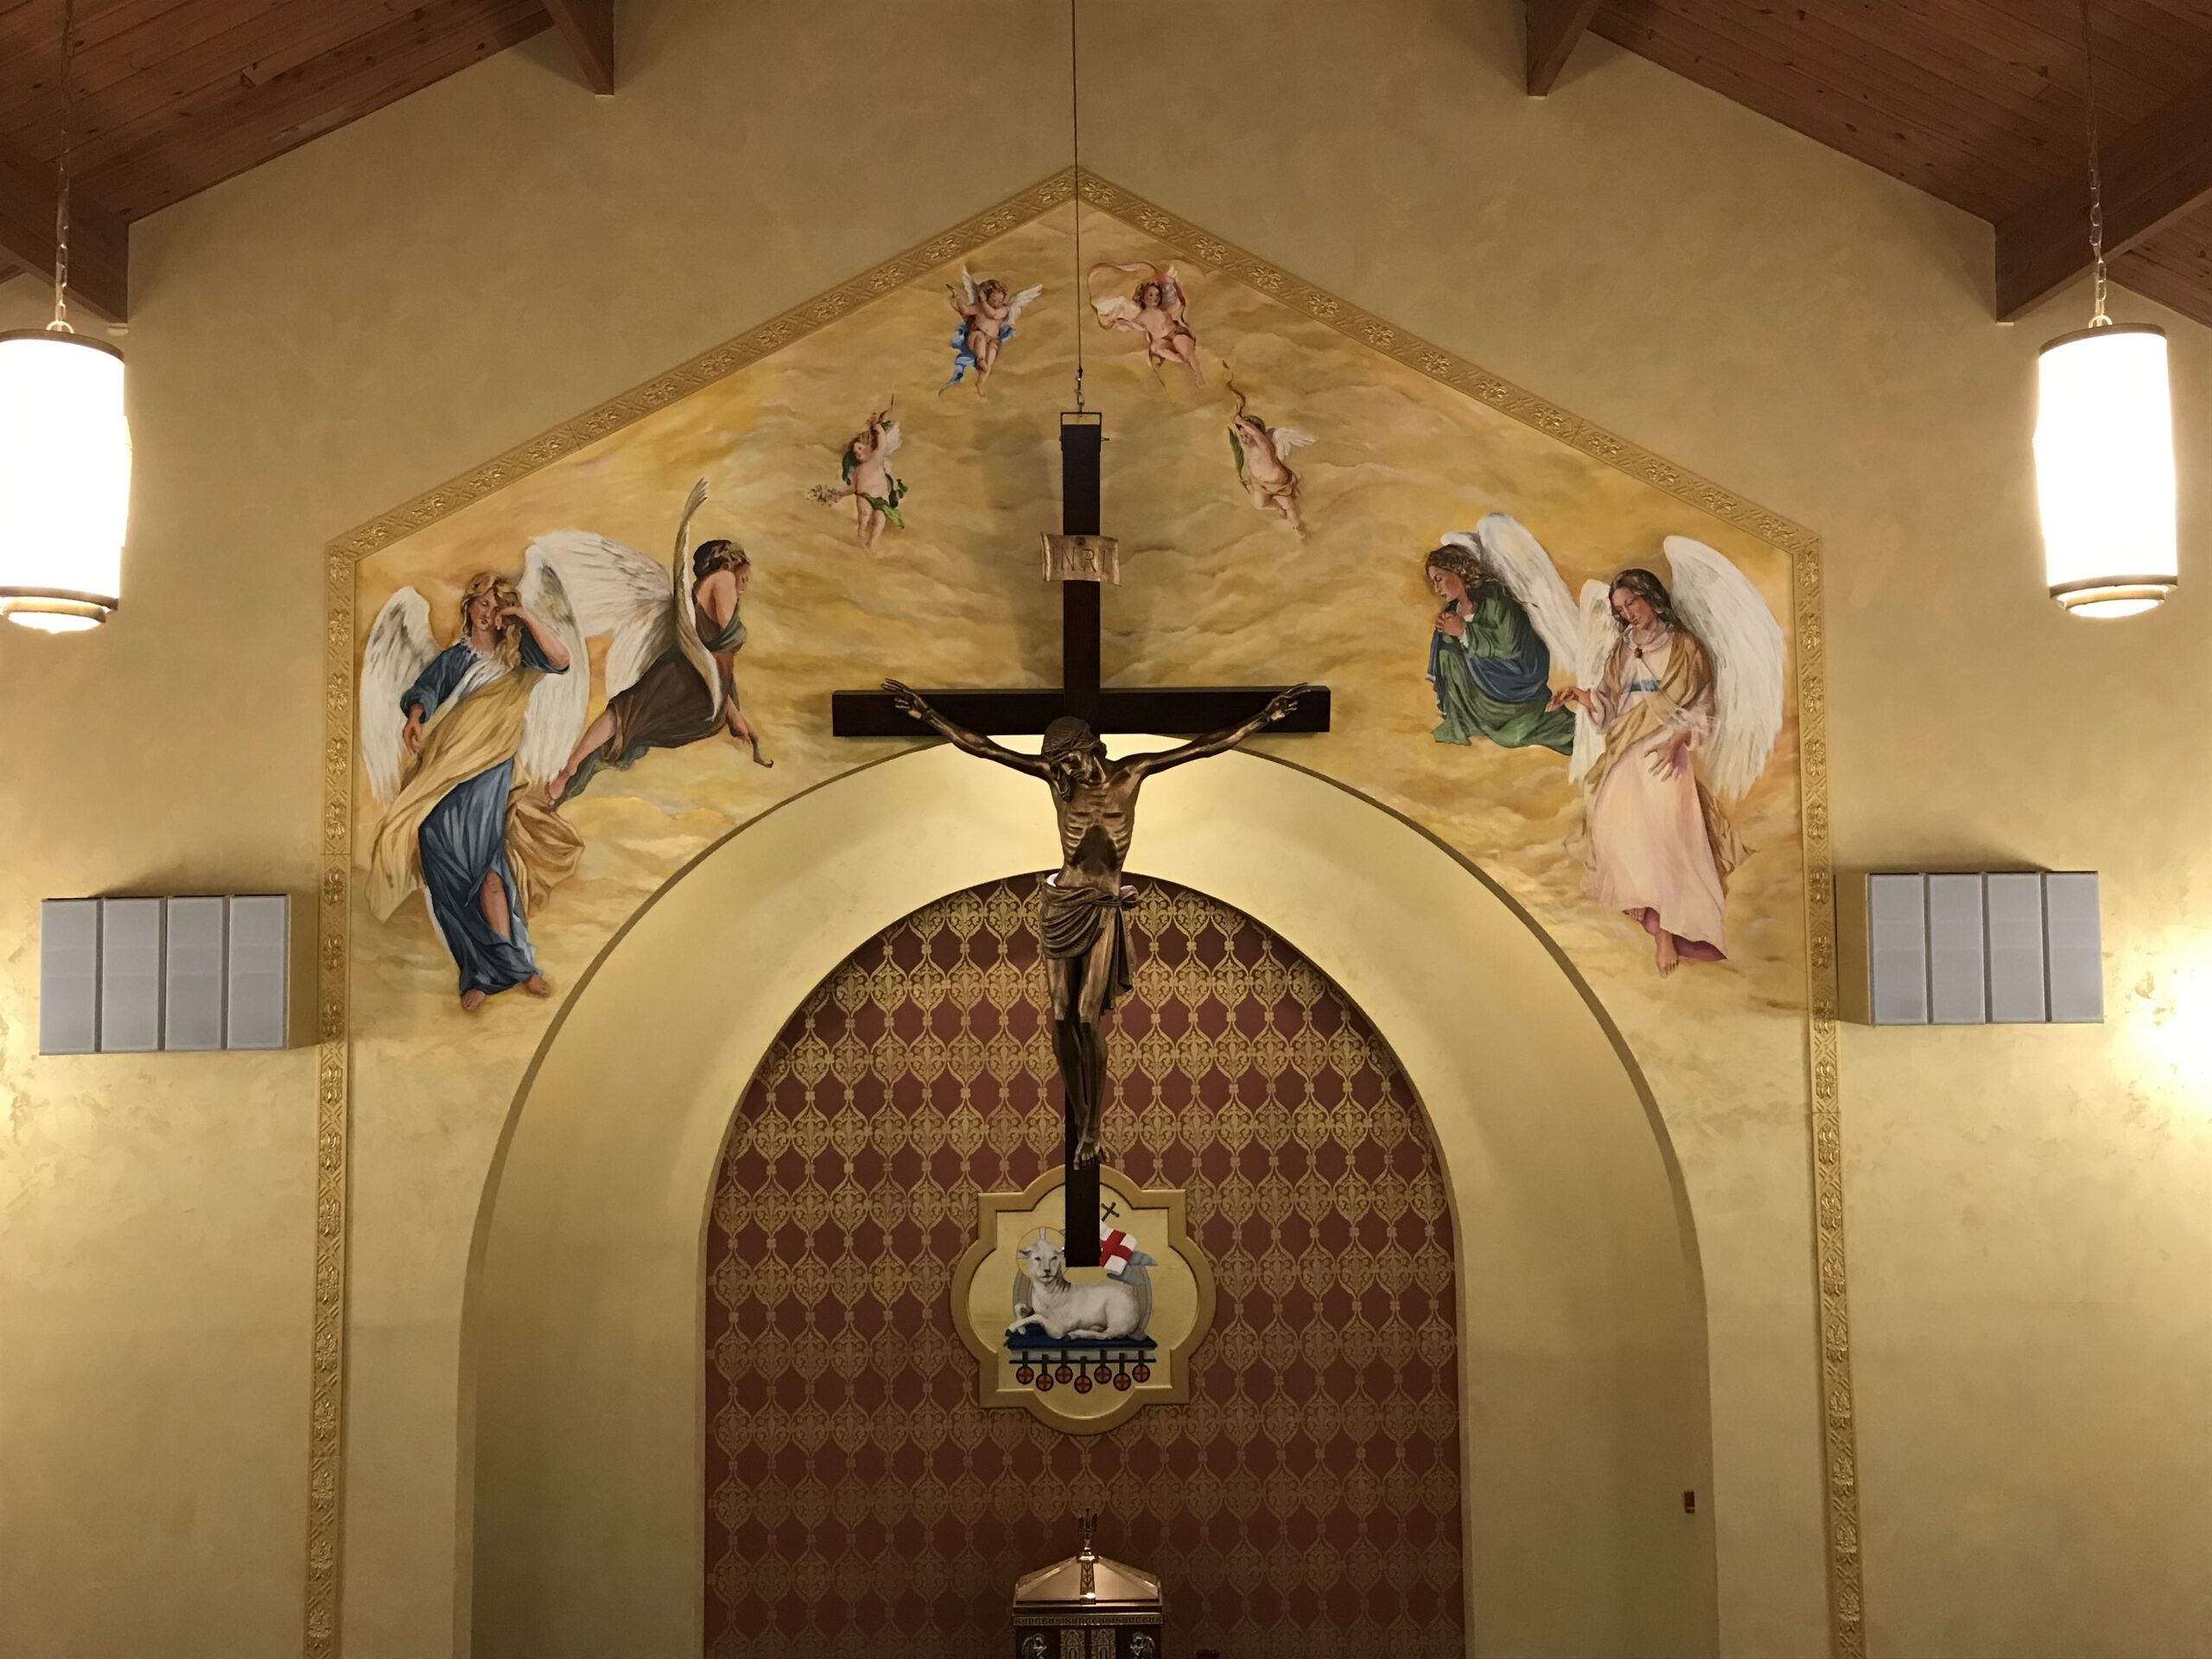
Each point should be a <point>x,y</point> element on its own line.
<point>2031,1211</point>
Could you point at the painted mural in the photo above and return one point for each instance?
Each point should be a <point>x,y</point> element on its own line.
<point>559,678</point>
<point>1580,680</point>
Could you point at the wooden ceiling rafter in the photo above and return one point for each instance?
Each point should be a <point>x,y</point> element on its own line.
<point>1979,103</point>
<point>2155,173</point>
<point>100,242</point>
<point>588,28</point>
<point>1553,27</point>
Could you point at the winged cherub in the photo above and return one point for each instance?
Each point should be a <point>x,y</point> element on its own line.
<point>1083,922</point>
<point>869,483</point>
<point>1262,465</point>
<point>1153,311</point>
<point>1678,708</point>
<point>988,314</point>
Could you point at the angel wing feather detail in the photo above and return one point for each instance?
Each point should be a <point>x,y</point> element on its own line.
<point>1600,633</point>
<point>558,702</point>
<point>613,590</point>
<point>400,646</point>
<point>1719,604</point>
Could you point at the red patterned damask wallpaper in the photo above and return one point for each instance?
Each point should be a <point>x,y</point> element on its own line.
<point>1304,1504</point>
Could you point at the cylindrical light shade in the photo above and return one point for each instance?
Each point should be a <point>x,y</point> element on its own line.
<point>64,480</point>
<point>2105,470</point>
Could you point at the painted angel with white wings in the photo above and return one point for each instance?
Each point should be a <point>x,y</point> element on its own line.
<point>869,483</point>
<point>988,314</point>
<point>457,741</point>
<point>1263,467</point>
<point>1506,618</point>
<point>1152,310</point>
<point>673,635</point>
<point>1679,705</point>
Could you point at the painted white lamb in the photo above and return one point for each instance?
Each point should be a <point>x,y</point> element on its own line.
<point>1107,1311</point>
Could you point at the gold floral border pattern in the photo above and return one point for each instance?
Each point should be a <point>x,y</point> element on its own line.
<point>326,1446</point>
<point>1839,1420</point>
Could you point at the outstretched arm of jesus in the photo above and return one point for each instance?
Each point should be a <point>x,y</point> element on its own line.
<point>1199,748</point>
<point>974,743</point>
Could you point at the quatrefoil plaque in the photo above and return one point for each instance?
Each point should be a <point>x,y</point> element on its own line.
<point>1083,1349</point>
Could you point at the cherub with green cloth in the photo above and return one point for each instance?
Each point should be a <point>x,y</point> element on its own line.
<point>868,484</point>
<point>1490,646</point>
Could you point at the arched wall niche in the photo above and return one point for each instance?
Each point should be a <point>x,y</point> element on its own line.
<point>1583,1412</point>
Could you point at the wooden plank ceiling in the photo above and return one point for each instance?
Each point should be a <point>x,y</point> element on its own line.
<point>1978,102</point>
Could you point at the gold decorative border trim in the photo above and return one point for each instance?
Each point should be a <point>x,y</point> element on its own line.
<point>1839,1419</point>
<point>989,1206</point>
<point>326,1446</point>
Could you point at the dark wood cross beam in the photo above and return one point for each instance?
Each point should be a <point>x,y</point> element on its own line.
<point>1178,712</point>
<point>1182,711</point>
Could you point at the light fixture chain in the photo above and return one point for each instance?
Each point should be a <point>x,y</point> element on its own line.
<point>61,324</point>
<point>2096,173</point>
<point>1075,125</point>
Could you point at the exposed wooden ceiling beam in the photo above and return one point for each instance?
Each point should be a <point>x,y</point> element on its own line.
<point>588,28</point>
<point>100,243</point>
<point>1553,27</point>
<point>2154,172</point>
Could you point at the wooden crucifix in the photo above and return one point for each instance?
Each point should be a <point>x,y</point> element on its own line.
<point>1083,929</point>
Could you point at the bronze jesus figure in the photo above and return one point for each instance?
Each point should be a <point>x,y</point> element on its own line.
<point>1085,936</point>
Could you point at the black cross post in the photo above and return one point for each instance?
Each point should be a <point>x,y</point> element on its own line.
<point>1185,711</point>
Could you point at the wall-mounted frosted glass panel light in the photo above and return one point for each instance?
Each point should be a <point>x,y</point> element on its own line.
<point>131,975</point>
<point>2004,947</point>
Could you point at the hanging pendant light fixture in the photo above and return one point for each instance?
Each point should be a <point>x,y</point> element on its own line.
<point>65,445</point>
<point>2105,441</point>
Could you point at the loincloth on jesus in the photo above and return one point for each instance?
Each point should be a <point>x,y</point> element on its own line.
<point>1072,920</point>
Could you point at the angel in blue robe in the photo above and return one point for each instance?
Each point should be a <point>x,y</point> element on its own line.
<point>987,316</point>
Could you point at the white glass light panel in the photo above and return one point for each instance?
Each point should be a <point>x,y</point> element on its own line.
<point>68,975</point>
<point>260,973</point>
<point>2073,946</point>
<point>1896,949</point>
<point>64,480</point>
<point>192,988</point>
<point>2015,989</point>
<point>1956,980</point>
<point>130,976</point>
<point>2105,470</point>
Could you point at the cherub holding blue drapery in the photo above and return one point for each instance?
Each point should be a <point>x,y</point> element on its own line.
<point>987,314</point>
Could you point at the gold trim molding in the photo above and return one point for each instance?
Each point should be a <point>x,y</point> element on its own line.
<point>325,1445</point>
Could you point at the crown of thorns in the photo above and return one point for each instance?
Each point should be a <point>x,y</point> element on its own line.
<point>1066,734</point>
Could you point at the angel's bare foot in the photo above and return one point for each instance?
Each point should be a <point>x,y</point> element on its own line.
<point>1668,957</point>
<point>471,1000</point>
<point>535,986</point>
<point>759,760</point>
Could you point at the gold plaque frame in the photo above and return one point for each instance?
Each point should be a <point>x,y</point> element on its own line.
<point>326,1448</point>
<point>996,1392</point>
